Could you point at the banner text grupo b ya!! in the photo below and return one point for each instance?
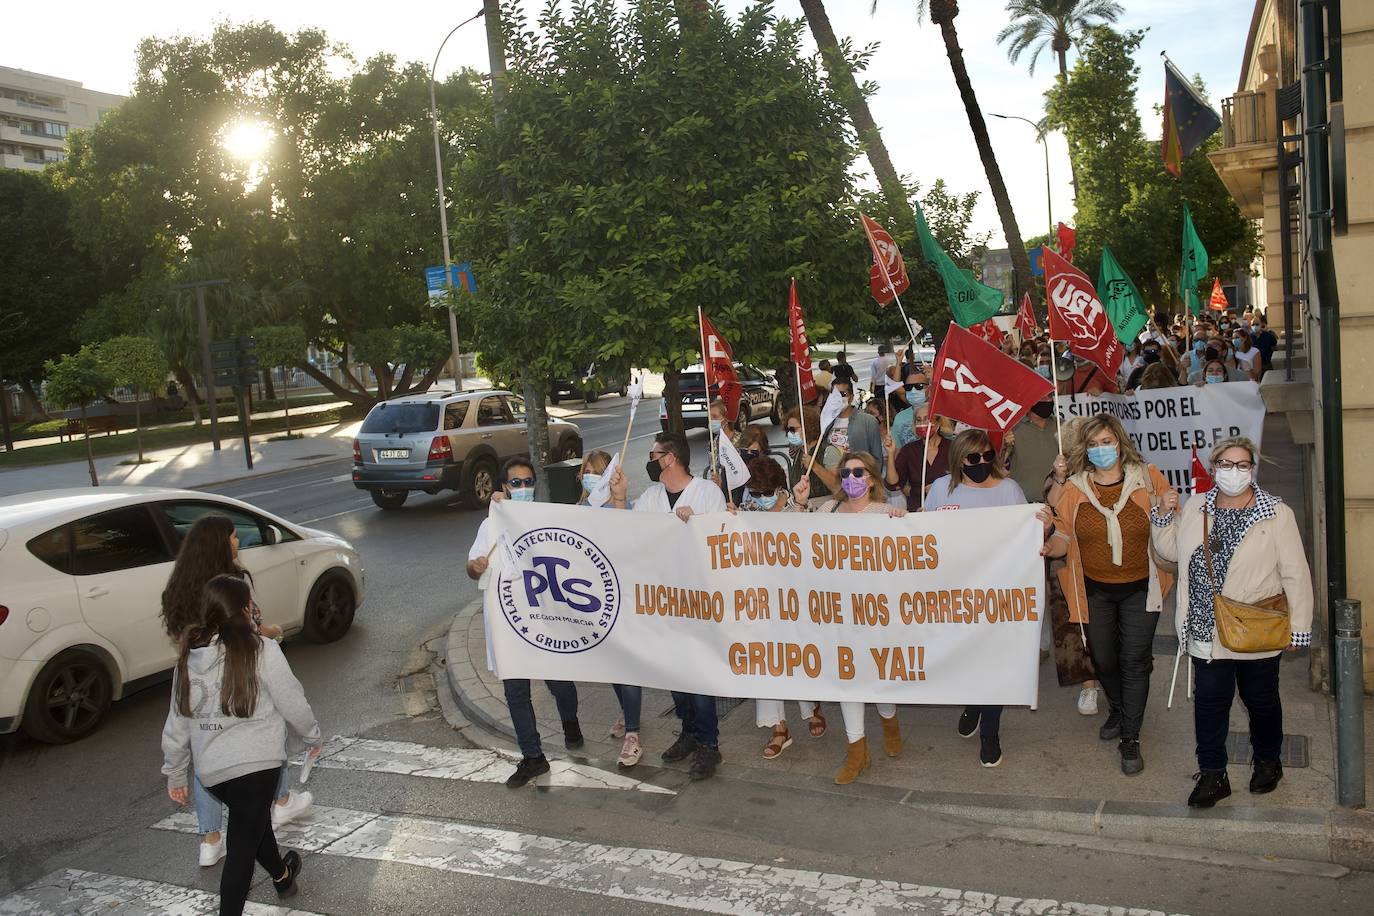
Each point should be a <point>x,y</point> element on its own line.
<point>940,608</point>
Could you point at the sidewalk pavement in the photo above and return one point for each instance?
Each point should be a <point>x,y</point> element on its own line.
<point>195,465</point>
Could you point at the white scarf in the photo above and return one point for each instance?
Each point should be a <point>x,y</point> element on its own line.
<point>1134,479</point>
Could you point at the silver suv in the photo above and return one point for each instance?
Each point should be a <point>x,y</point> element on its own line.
<point>447,441</point>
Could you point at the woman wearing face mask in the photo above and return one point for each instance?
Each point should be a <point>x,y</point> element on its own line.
<point>801,442</point>
<point>594,465</point>
<point>977,480</point>
<point>1132,361</point>
<point>1239,541</point>
<point>860,492</point>
<point>766,491</point>
<point>903,466</point>
<point>915,394</point>
<point>1112,581</point>
<point>1197,357</point>
<point>1213,373</point>
<point>1246,356</point>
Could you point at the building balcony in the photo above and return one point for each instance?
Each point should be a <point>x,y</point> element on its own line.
<point>10,161</point>
<point>1249,148</point>
<point>26,137</point>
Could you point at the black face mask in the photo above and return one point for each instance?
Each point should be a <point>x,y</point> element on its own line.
<point>1043,409</point>
<point>1151,356</point>
<point>654,469</point>
<point>979,472</point>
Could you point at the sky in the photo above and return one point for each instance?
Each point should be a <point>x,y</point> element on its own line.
<point>917,106</point>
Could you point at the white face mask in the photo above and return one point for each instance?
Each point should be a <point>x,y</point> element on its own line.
<point>1234,481</point>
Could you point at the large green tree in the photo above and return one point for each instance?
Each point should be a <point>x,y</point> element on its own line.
<point>76,380</point>
<point>1125,198</point>
<point>136,363</point>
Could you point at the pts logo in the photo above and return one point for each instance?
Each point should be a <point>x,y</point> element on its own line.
<point>959,378</point>
<point>575,593</point>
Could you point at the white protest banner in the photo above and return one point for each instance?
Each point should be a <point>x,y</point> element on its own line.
<point>1167,423</point>
<point>731,462</point>
<point>774,605</point>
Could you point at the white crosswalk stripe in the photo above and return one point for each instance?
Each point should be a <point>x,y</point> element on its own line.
<point>74,891</point>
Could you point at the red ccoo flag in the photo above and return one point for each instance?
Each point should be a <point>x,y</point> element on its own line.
<point>1202,481</point>
<point>1066,239</point>
<point>801,346</point>
<point>989,331</point>
<point>887,277</point>
<point>1025,319</point>
<point>1077,316</point>
<point>718,361</point>
<point>979,384</point>
<point>1218,302</point>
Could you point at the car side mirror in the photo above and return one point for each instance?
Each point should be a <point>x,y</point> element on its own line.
<point>273,535</point>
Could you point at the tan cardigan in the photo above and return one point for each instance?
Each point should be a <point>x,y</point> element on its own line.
<point>1268,560</point>
<point>1071,575</point>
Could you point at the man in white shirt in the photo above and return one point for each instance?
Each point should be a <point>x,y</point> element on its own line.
<point>879,368</point>
<point>517,477</point>
<point>674,489</point>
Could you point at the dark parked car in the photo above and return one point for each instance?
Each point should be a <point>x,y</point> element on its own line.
<point>760,398</point>
<point>595,382</point>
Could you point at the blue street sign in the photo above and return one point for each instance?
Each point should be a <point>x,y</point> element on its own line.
<point>460,277</point>
<point>1037,259</point>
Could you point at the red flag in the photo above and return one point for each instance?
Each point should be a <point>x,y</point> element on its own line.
<point>1218,301</point>
<point>1077,316</point>
<point>979,384</point>
<point>801,346</point>
<point>989,331</point>
<point>1066,239</point>
<point>1202,481</point>
<point>887,277</point>
<point>1025,319</point>
<point>718,361</point>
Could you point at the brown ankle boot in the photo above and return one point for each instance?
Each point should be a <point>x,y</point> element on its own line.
<point>892,736</point>
<point>855,762</point>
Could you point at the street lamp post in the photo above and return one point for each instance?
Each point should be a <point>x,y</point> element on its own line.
<point>443,203</point>
<point>1039,135</point>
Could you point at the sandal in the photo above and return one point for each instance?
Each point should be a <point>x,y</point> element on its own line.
<point>816,724</point>
<point>779,742</point>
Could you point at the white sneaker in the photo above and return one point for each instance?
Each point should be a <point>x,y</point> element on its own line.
<point>630,751</point>
<point>618,729</point>
<point>1087,701</point>
<point>211,853</point>
<point>296,805</point>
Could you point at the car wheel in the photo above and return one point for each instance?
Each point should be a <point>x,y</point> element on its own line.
<point>623,390</point>
<point>329,611</point>
<point>481,484</point>
<point>389,499</point>
<point>553,399</point>
<point>69,698</point>
<point>570,448</point>
<point>589,396</point>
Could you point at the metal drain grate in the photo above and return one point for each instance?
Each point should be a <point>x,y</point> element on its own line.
<point>1294,752</point>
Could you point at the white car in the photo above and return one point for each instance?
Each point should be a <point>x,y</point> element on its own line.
<point>81,579</point>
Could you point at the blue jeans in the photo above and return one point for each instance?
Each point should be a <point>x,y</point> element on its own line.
<point>522,711</point>
<point>989,721</point>
<point>698,715</point>
<point>631,698</point>
<point>210,811</point>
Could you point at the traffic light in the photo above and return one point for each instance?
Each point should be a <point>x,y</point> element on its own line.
<point>234,361</point>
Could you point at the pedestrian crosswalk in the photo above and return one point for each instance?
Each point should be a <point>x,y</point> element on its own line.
<point>655,877</point>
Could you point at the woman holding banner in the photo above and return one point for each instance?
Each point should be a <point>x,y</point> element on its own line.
<point>1112,581</point>
<point>766,491</point>
<point>1235,543</point>
<point>860,491</point>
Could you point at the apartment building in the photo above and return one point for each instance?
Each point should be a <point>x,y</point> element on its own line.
<point>38,111</point>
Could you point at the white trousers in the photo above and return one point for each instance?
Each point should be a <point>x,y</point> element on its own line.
<point>768,713</point>
<point>853,714</point>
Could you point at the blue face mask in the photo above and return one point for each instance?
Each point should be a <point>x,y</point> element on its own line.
<point>1215,379</point>
<point>1043,371</point>
<point>765,503</point>
<point>589,482</point>
<point>522,495</point>
<point>715,427</point>
<point>1102,456</point>
<point>916,397</point>
<point>1237,342</point>
<point>1199,346</point>
<point>794,440</point>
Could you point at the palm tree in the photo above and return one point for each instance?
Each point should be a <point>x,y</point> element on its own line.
<point>842,76</point>
<point>1057,24</point>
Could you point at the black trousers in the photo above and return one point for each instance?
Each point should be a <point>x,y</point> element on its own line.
<point>1120,639</point>
<point>1216,683</point>
<point>249,835</point>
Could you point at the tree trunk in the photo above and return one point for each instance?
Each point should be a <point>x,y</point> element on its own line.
<point>859,113</point>
<point>86,435</point>
<point>188,386</point>
<point>35,403</point>
<point>5,418</point>
<point>942,12</point>
<point>286,398</point>
<point>672,399</point>
<point>1064,78</point>
<point>269,390</point>
<point>138,425</point>
<point>333,387</point>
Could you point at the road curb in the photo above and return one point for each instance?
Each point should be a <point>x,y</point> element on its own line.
<point>263,474</point>
<point>464,685</point>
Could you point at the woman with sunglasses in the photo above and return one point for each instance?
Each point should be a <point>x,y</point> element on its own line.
<point>915,393</point>
<point>904,473</point>
<point>977,479</point>
<point>860,491</point>
<point>766,491</point>
<point>799,450</point>
<point>1113,581</point>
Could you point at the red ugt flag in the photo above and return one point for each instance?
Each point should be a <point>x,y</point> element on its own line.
<point>801,346</point>
<point>718,361</point>
<point>1218,302</point>
<point>1025,319</point>
<point>1067,240</point>
<point>1077,316</point>
<point>979,384</point>
<point>1202,481</point>
<point>989,331</point>
<point>887,277</point>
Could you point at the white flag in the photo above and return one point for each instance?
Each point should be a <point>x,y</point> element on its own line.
<point>832,408</point>
<point>891,385</point>
<point>636,390</point>
<point>732,465</point>
<point>916,329</point>
<point>602,494</point>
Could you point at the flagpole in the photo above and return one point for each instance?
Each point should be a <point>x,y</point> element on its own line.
<point>706,383</point>
<point>1054,380</point>
<point>801,412</point>
<point>630,422</point>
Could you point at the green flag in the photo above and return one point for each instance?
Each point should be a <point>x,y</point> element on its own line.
<point>1120,297</point>
<point>1194,266</point>
<point>969,301</point>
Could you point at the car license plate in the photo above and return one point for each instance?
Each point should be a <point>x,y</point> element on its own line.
<point>393,453</point>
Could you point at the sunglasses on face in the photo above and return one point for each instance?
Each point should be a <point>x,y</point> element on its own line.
<point>760,494</point>
<point>519,483</point>
<point>915,386</point>
<point>749,453</point>
<point>977,458</point>
<point>794,429</point>
<point>852,472</point>
<point>654,456</point>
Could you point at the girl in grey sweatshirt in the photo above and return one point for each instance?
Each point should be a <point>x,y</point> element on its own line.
<point>233,698</point>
